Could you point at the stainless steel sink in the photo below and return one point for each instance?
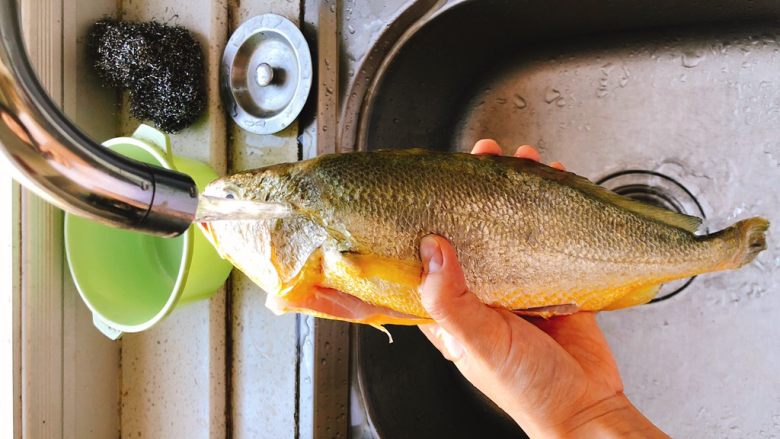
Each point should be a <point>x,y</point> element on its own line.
<point>676,103</point>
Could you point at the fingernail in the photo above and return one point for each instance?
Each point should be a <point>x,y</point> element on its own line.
<point>453,346</point>
<point>430,253</point>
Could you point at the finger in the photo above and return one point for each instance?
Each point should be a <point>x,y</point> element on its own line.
<point>527,152</point>
<point>579,335</point>
<point>457,311</point>
<point>558,165</point>
<point>486,146</point>
<point>429,331</point>
<point>569,329</point>
<point>450,348</point>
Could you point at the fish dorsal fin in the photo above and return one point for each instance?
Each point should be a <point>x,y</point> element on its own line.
<point>686,222</point>
<point>674,219</point>
<point>665,216</point>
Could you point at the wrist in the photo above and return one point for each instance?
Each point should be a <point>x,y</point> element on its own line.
<point>614,417</point>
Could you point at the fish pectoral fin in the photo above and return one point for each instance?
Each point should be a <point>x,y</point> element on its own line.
<point>333,304</point>
<point>637,296</point>
<point>394,271</point>
<point>548,311</point>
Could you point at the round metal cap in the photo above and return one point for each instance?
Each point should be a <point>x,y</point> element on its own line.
<point>266,74</point>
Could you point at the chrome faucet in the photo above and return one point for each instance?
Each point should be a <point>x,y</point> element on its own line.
<point>51,157</point>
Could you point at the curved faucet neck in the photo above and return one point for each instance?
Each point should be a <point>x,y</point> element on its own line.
<point>51,157</point>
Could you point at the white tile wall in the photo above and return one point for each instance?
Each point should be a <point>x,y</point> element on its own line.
<point>263,345</point>
<point>173,376</point>
<point>176,379</point>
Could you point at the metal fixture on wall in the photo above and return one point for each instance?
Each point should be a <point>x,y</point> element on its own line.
<point>266,74</point>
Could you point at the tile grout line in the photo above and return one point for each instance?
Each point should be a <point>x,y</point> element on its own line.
<point>229,283</point>
<point>298,347</point>
<point>63,268</point>
<point>228,383</point>
<point>297,413</point>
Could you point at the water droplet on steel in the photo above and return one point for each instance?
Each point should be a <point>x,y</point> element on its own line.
<point>551,95</point>
<point>519,102</point>
<point>692,59</point>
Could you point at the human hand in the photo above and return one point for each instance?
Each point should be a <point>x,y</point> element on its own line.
<point>555,377</point>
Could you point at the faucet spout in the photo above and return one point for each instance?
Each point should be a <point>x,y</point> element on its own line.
<point>51,157</point>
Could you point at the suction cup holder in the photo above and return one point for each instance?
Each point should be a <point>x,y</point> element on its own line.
<point>266,74</point>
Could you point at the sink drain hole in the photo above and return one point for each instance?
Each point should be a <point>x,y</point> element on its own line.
<point>659,190</point>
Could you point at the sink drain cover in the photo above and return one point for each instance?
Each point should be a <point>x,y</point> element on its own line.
<point>266,74</point>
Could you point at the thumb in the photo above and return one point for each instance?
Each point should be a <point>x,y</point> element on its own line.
<point>474,325</point>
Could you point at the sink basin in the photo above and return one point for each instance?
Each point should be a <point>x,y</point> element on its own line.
<point>675,103</point>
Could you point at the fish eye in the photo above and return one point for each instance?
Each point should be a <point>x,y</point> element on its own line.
<point>230,193</point>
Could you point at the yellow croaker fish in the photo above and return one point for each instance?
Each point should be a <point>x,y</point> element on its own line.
<point>530,238</point>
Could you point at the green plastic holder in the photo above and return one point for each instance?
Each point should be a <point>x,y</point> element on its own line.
<point>129,280</point>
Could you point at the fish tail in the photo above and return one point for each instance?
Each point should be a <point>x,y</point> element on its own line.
<point>747,239</point>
